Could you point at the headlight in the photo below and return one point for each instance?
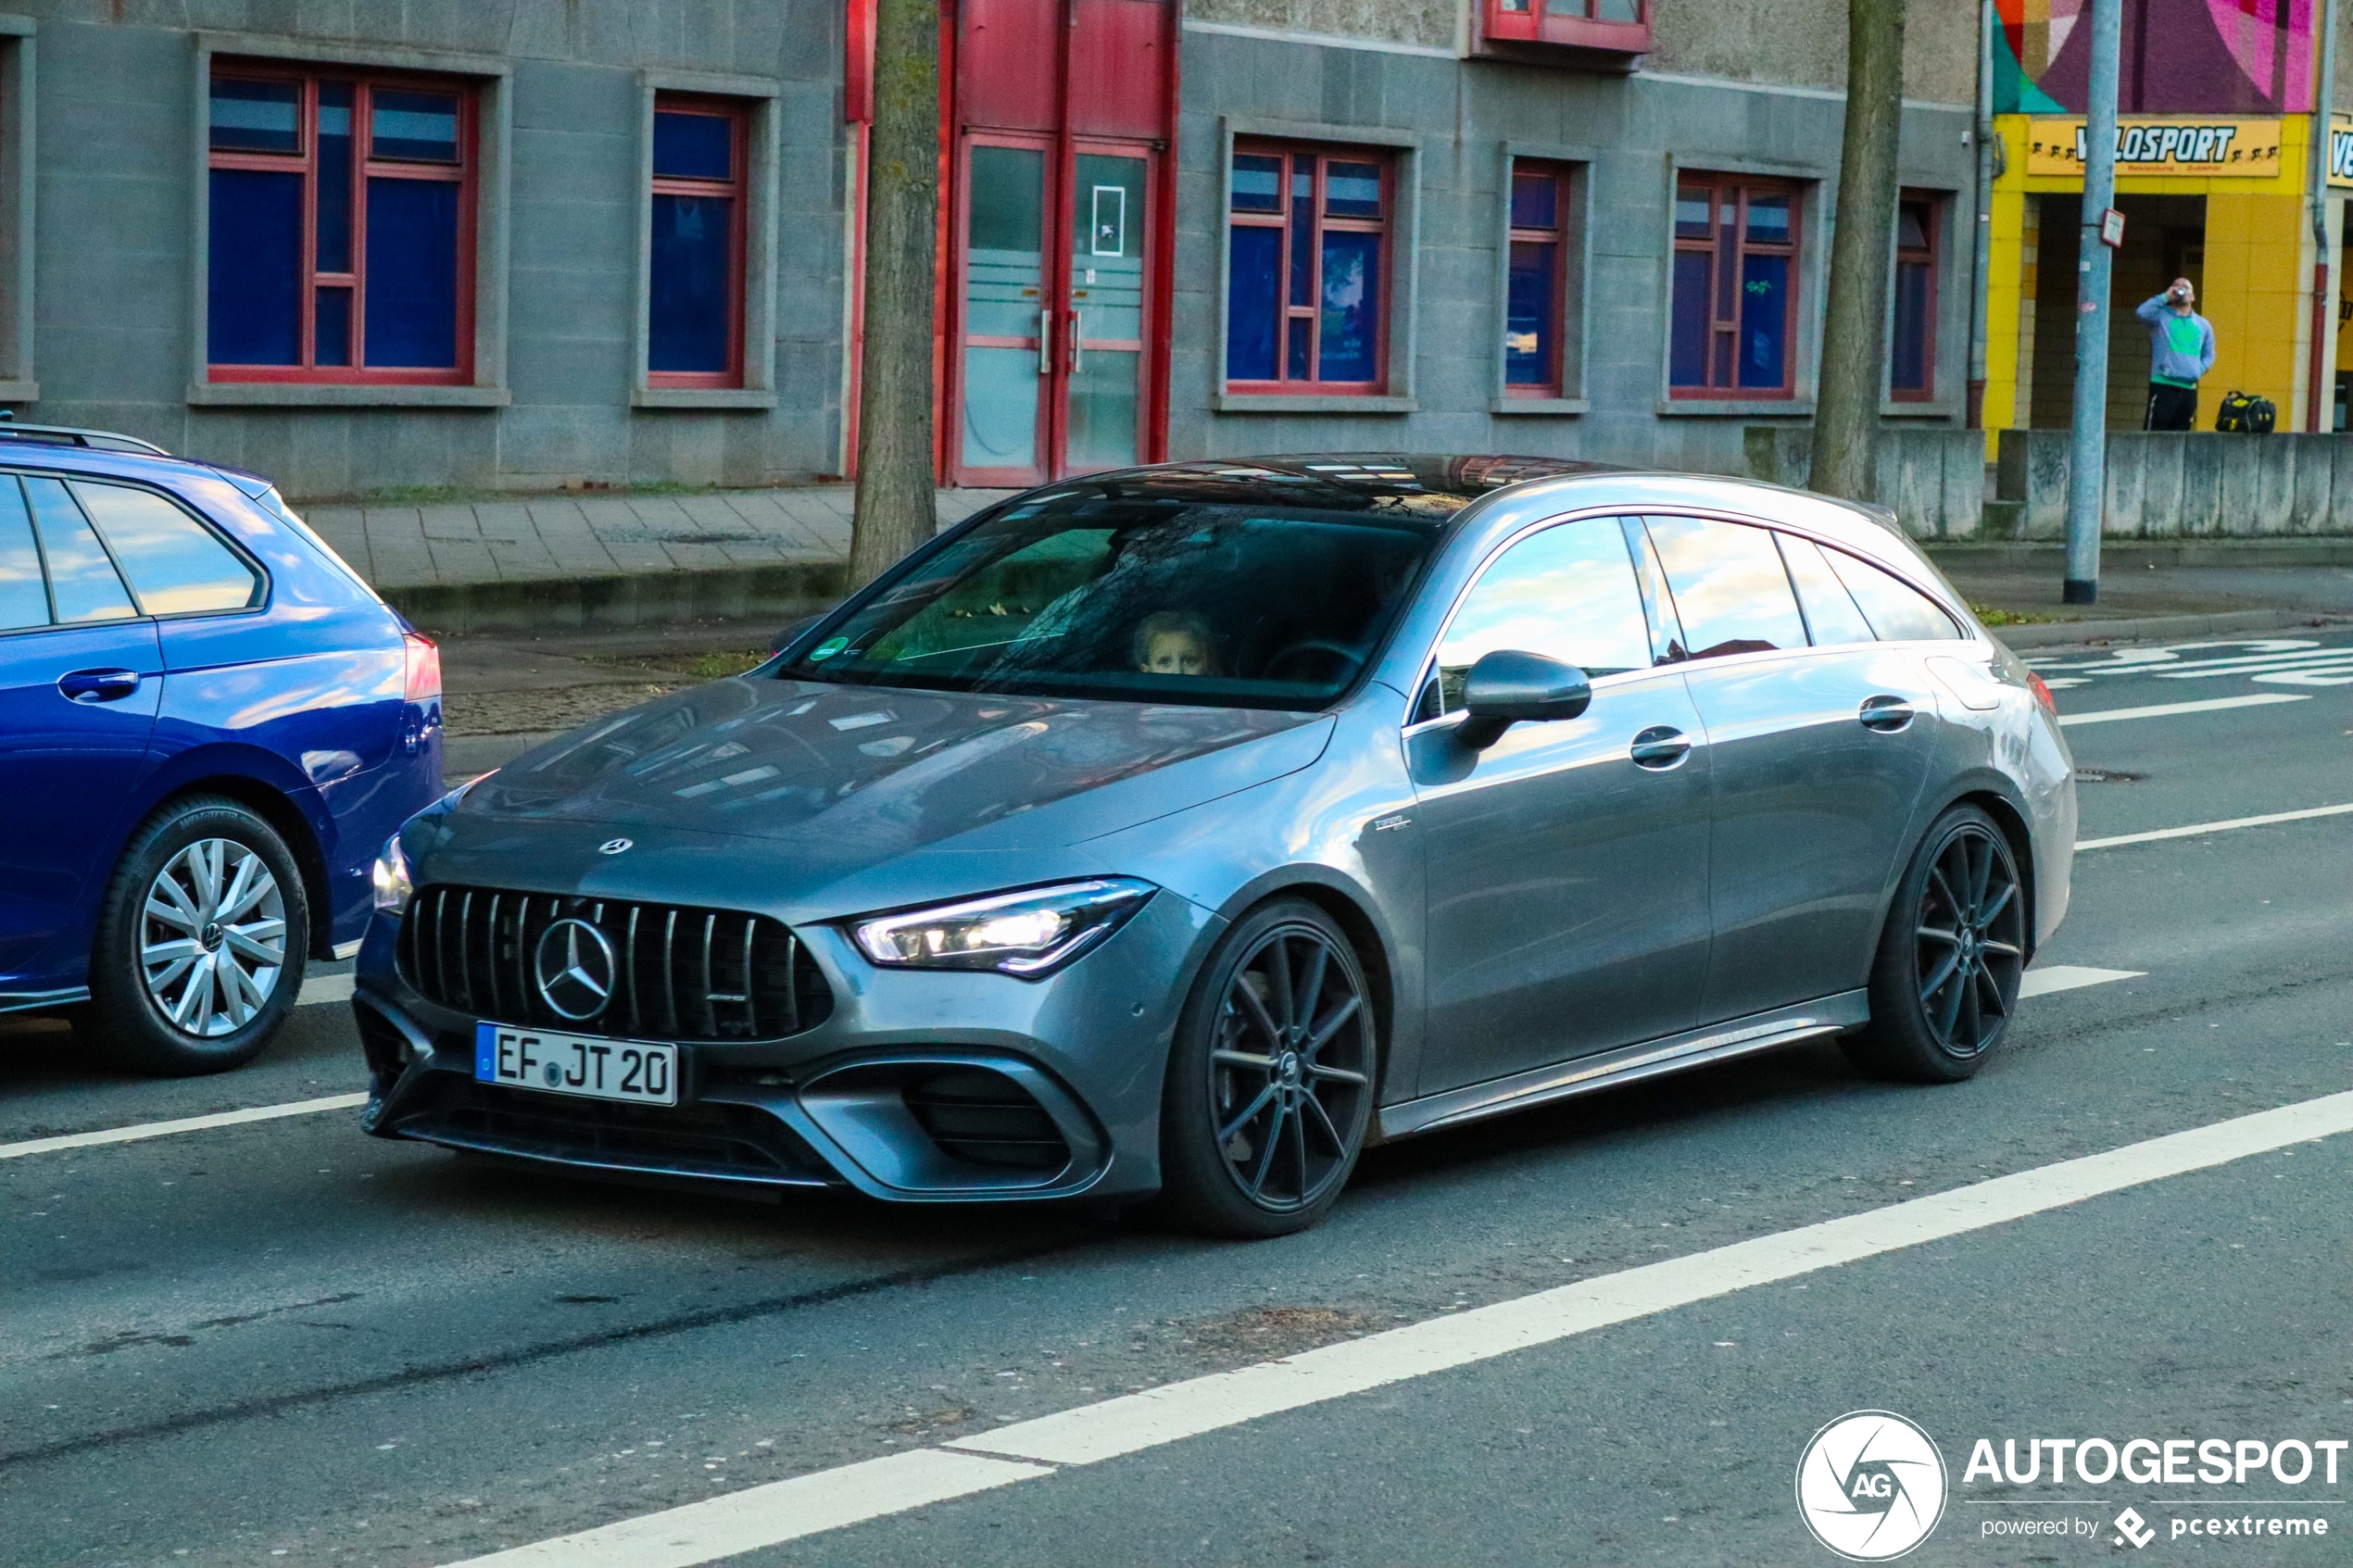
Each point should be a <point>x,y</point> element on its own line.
<point>1028,934</point>
<point>391,877</point>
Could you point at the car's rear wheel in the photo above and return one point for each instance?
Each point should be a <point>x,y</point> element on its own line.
<point>1270,1080</point>
<point>201,942</point>
<point>1950,961</point>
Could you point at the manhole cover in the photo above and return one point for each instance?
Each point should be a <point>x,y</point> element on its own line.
<point>2106,775</point>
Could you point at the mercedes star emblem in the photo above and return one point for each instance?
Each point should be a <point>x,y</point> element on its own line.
<point>615,846</point>
<point>574,967</point>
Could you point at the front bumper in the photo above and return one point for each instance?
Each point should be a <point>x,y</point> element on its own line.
<point>919,1087</point>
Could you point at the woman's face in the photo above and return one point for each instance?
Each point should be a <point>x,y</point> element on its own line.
<point>1175,653</point>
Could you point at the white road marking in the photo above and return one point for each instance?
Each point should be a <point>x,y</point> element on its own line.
<point>324,988</point>
<point>2070,977</point>
<point>184,1124</point>
<point>2195,828</point>
<point>806,1505</point>
<point>2111,715</point>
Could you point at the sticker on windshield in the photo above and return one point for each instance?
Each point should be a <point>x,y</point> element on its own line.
<point>827,648</point>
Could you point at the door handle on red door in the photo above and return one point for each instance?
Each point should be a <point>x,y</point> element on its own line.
<point>1885,714</point>
<point>1659,747</point>
<point>98,686</point>
<point>1077,341</point>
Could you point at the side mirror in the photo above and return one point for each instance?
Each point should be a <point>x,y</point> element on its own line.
<point>1508,687</point>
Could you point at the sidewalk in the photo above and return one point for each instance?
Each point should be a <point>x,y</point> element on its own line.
<point>2153,589</point>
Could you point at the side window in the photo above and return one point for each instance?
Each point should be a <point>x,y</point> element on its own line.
<point>175,565</point>
<point>83,584</point>
<point>1831,615</point>
<point>1730,587</point>
<point>23,601</point>
<point>1897,611</point>
<point>1567,592</point>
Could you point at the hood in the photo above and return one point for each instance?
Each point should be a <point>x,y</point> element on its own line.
<point>844,776</point>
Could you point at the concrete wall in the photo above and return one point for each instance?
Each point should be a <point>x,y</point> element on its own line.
<point>117,162</point>
<point>2203,484</point>
<point>1933,480</point>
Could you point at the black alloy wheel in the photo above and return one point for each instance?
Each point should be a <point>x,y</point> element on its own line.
<point>1270,1085</point>
<point>1952,956</point>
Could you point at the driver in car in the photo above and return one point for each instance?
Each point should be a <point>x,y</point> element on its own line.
<point>1174,643</point>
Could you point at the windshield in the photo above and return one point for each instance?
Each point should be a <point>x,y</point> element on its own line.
<point>1151,599</point>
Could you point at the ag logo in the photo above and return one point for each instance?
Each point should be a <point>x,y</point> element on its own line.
<point>1871,1486</point>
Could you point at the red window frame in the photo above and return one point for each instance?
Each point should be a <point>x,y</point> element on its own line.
<point>1557,236</point>
<point>364,168</point>
<point>737,188</point>
<point>1726,192</point>
<point>1924,256</point>
<point>1312,312</point>
<point>1577,23</point>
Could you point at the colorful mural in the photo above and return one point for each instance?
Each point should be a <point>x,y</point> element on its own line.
<point>2180,57</point>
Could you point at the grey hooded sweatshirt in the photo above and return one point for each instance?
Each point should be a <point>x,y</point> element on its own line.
<point>2181,347</point>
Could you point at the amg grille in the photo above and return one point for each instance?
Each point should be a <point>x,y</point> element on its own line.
<point>686,974</point>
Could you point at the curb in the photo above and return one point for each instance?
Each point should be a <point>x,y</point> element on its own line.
<point>785,592</point>
<point>2272,550</point>
<point>2153,627</point>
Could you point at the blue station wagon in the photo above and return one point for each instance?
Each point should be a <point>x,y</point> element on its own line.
<point>208,725</point>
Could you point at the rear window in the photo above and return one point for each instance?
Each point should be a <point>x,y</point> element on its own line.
<point>83,583</point>
<point>1147,599</point>
<point>175,564</point>
<point>1897,611</point>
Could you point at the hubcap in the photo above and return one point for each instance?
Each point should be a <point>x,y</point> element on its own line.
<point>1291,1074</point>
<point>1971,941</point>
<point>213,938</point>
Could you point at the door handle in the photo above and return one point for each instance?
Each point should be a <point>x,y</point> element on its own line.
<point>1077,332</point>
<point>98,686</point>
<point>1045,343</point>
<point>1660,748</point>
<point>1885,714</point>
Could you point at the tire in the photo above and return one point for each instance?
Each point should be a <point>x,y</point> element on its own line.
<point>1946,980</point>
<point>1270,1080</point>
<point>175,990</point>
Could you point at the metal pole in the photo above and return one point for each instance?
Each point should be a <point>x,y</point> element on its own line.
<point>2319,400</point>
<point>1984,268</point>
<point>2086,477</point>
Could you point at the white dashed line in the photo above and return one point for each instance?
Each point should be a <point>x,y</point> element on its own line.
<point>324,988</point>
<point>184,1124</point>
<point>2164,709</point>
<point>808,1505</point>
<point>2224,826</point>
<point>2070,977</point>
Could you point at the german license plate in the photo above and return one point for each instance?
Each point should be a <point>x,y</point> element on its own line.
<point>639,1071</point>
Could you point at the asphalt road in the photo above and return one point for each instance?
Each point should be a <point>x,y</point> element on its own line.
<point>280,1341</point>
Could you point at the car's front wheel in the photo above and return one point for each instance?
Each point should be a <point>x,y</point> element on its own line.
<point>1951,957</point>
<point>201,941</point>
<point>1270,1080</point>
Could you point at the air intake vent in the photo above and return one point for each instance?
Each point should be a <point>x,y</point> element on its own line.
<point>988,1119</point>
<point>677,973</point>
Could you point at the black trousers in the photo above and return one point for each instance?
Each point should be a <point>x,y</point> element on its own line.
<point>2170,408</point>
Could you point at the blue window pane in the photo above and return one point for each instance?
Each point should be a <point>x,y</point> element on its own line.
<point>82,580</point>
<point>1907,370</point>
<point>693,146</point>
<point>1302,229</point>
<point>331,338</point>
<point>1529,328</point>
<point>1258,182</point>
<point>1253,302</point>
<point>412,273</point>
<point>254,277</point>
<point>23,601</point>
<point>1764,320</point>
<point>1303,344</point>
<point>1768,219</point>
<point>333,253</point>
<point>414,127</point>
<point>690,276</point>
<point>1351,190</point>
<point>1687,354</point>
<point>1350,349</point>
<point>256,116</point>
<point>1694,212</point>
<point>1535,201</point>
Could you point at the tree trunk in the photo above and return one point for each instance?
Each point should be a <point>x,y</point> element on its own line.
<point>896,502</point>
<point>1855,324</point>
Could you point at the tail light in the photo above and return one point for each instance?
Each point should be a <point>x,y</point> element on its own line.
<point>2042,693</point>
<point>424,669</point>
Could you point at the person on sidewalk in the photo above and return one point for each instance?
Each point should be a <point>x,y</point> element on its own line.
<point>2180,351</point>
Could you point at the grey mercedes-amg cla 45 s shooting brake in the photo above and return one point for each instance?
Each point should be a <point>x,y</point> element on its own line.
<point>1182,830</point>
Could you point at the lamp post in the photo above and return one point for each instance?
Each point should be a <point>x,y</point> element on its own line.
<point>2086,476</point>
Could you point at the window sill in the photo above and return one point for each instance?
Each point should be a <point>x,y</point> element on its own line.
<point>1308,403</point>
<point>19,392</point>
<point>344,394</point>
<point>1539,405</point>
<point>1938,410</point>
<point>701,398</point>
<point>1735,407</point>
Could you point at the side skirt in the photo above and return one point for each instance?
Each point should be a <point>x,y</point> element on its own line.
<point>24,1001</point>
<point>1608,1070</point>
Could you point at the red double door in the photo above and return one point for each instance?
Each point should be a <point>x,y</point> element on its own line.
<point>1057,308</point>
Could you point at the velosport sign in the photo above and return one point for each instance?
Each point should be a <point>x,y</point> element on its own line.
<point>2223,146</point>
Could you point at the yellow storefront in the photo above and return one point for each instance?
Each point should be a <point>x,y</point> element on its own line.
<point>2220,200</point>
